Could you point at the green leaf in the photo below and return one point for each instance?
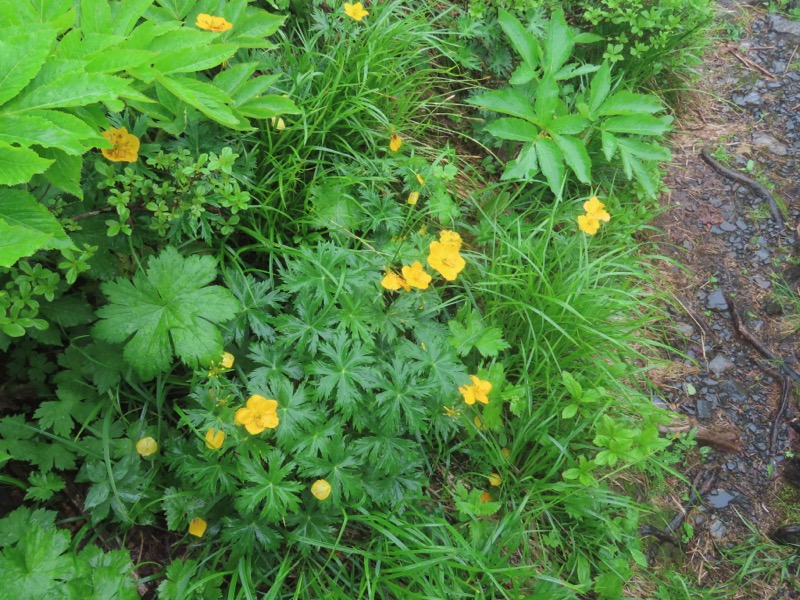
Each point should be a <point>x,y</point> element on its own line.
<point>22,54</point>
<point>18,165</point>
<point>628,103</point>
<point>517,130</point>
<point>523,42</point>
<point>568,124</point>
<point>26,130</point>
<point>208,99</point>
<point>43,486</point>
<point>65,172</point>
<point>126,14</point>
<point>95,16</point>
<point>551,162</point>
<point>168,310</point>
<point>474,333</point>
<point>257,25</point>
<point>573,387</point>
<point>268,106</point>
<point>599,88</point>
<point>118,60</point>
<point>191,60</point>
<point>558,43</point>
<point>71,89</point>
<point>37,566</point>
<point>231,79</point>
<point>637,124</point>
<point>575,155</point>
<point>569,411</point>
<point>253,88</point>
<point>574,70</point>
<point>266,489</point>
<point>19,208</point>
<point>524,167</point>
<point>546,100</point>
<point>508,101</point>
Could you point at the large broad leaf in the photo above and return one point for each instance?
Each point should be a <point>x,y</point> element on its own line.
<point>208,99</point>
<point>18,242</point>
<point>191,60</point>
<point>513,129</point>
<point>523,42</point>
<point>576,157</point>
<point>126,14</point>
<point>20,209</point>
<point>252,31</point>
<point>95,16</point>
<point>637,124</point>
<point>169,310</point>
<point>558,44</point>
<point>253,88</point>
<point>65,172</point>
<point>268,106</point>
<point>628,103</point>
<point>26,130</point>
<point>508,101</point>
<point>22,54</point>
<point>546,100</point>
<point>71,89</point>
<point>551,162</point>
<point>231,79</point>
<point>569,124</point>
<point>18,165</point>
<point>599,88</point>
<point>524,167</point>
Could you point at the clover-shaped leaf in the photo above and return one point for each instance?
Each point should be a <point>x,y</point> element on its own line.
<point>169,310</point>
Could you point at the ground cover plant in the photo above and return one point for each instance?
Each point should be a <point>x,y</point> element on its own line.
<point>255,305</point>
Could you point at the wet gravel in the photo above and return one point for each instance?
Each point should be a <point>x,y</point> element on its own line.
<point>725,234</point>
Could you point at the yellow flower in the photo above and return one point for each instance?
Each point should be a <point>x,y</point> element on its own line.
<point>420,179</point>
<point>393,281</point>
<point>214,438</point>
<point>495,480</point>
<point>478,390</point>
<point>486,497</point>
<point>478,422</point>
<point>321,489</point>
<point>588,224</point>
<point>416,276</point>
<point>452,411</point>
<point>596,209</point>
<point>259,414</point>
<point>227,360</point>
<point>395,141</point>
<point>278,123</point>
<point>125,146</point>
<point>146,446</point>
<point>210,23</point>
<point>450,237</point>
<point>413,198</point>
<point>197,527</point>
<point>355,11</point>
<point>506,452</point>
<point>446,260</point>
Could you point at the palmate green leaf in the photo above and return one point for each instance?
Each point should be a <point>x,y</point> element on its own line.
<point>26,226</point>
<point>18,165</point>
<point>22,54</point>
<point>516,130</point>
<point>65,172</point>
<point>575,155</point>
<point>184,582</point>
<point>339,467</point>
<point>524,167</point>
<point>524,42</point>
<point>508,101</point>
<point>167,311</point>
<point>401,406</point>
<point>266,489</point>
<point>105,575</point>
<point>265,107</point>
<point>473,332</point>
<point>37,566</point>
<point>258,301</point>
<point>551,162</point>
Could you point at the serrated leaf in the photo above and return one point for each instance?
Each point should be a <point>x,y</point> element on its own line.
<point>551,162</point>
<point>208,99</point>
<point>126,14</point>
<point>267,491</point>
<point>43,486</point>
<point>488,340</point>
<point>16,243</point>
<point>629,103</point>
<point>167,311</point>
<point>637,124</point>
<point>599,87</point>
<point>575,155</point>
<point>267,106</point>
<point>19,208</point>
<point>508,101</point>
<point>71,89</point>
<point>523,42</point>
<point>26,130</point>
<point>65,172</point>
<point>513,129</point>
<point>524,167</point>
<point>191,60</point>
<point>22,54</point>
<point>19,165</point>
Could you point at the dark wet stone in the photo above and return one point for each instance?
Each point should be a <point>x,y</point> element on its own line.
<point>719,364</point>
<point>770,143</point>
<point>780,24</point>
<point>773,308</point>
<point>764,284</point>
<point>718,528</point>
<point>720,498</point>
<point>791,472</point>
<point>733,389</point>
<point>659,402</point>
<point>788,534</point>
<point>716,301</point>
<point>725,226</point>
<point>704,408</point>
<point>763,254</point>
<point>741,224</point>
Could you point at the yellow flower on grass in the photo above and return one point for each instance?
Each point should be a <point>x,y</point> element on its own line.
<point>146,446</point>
<point>197,527</point>
<point>124,145</point>
<point>278,123</point>
<point>506,452</point>
<point>355,11</point>
<point>227,360</point>
<point>446,260</point>
<point>478,391</point>
<point>395,141</point>
<point>486,497</point>
<point>420,179</point>
<point>321,489</point>
<point>450,237</point>
<point>416,276</point>
<point>393,281</point>
<point>223,365</point>
<point>495,480</point>
<point>595,212</point>
<point>413,198</point>
<point>211,23</point>
<point>258,415</point>
<point>214,439</point>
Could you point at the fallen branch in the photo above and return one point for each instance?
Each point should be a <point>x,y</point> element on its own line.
<point>726,440</point>
<point>744,180</point>
<point>752,65</point>
<point>773,437</point>
<point>742,330</point>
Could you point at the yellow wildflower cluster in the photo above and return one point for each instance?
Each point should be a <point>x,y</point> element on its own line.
<point>211,23</point>
<point>412,276</point>
<point>595,212</point>
<point>444,255</point>
<point>124,145</point>
<point>258,414</point>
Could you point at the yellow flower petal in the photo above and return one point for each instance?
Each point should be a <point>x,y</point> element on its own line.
<point>321,489</point>
<point>420,179</point>
<point>146,446</point>
<point>197,527</point>
<point>259,414</point>
<point>495,480</point>
<point>392,281</point>
<point>482,389</point>
<point>125,146</point>
<point>595,208</point>
<point>506,452</point>
<point>445,259</point>
<point>227,360</point>
<point>588,224</point>
<point>214,439</point>
<point>211,23</point>
<point>355,11</point>
<point>413,198</point>
<point>395,141</point>
<point>486,497</point>
<point>416,276</point>
<point>450,237</point>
